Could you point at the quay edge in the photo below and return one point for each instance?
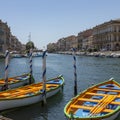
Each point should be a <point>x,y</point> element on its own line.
<point>110,54</point>
<point>4,118</point>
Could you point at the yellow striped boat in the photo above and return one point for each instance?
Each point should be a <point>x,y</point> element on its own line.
<point>16,81</point>
<point>29,94</point>
<point>99,102</point>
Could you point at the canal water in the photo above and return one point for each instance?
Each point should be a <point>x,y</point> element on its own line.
<point>90,70</point>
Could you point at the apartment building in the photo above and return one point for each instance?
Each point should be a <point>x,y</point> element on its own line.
<point>7,40</point>
<point>106,36</point>
<point>85,39</point>
<point>4,36</point>
<point>71,42</point>
<point>61,44</point>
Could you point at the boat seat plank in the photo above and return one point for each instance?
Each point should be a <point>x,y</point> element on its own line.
<point>12,79</point>
<point>87,99</point>
<point>107,90</point>
<point>116,103</point>
<point>98,94</point>
<point>88,108</point>
<point>2,82</point>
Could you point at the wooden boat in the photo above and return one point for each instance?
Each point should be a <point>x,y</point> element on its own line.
<point>16,81</point>
<point>37,55</point>
<point>29,94</point>
<point>99,102</point>
<point>34,55</point>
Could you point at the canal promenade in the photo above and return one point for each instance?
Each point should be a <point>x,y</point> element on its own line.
<point>110,54</point>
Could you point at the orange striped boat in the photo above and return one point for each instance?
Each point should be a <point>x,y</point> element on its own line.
<point>99,102</point>
<point>30,94</point>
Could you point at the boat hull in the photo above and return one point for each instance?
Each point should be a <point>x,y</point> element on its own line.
<point>112,117</point>
<point>7,104</point>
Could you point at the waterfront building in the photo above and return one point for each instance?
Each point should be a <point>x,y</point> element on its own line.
<point>71,42</point>
<point>85,40</point>
<point>106,36</point>
<point>7,40</point>
<point>61,45</point>
<point>103,37</point>
<point>4,36</point>
<point>90,43</point>
<point>52,47</point>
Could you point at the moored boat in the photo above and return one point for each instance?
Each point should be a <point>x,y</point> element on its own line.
<point>99,102</point>
<point>30,94</point>
<point>17,55</point>
<point>16,81</point>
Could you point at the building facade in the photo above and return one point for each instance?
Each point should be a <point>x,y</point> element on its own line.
<point>107,36</point>
<point>7,40</point>
<point>84,39</point>
<point>4,36</point>
<point>71,42</point>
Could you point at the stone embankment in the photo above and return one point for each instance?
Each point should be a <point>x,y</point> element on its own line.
<point>4,118</point>
<point>111,54</point>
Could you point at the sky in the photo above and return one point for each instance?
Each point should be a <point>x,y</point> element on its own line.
<point>49,20</point>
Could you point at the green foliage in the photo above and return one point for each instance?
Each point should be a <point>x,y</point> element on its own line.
<point>29,45</point>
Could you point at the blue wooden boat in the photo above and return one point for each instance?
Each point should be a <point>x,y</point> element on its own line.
<point>99,102</point>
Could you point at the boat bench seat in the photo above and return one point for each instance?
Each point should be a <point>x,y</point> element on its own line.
<point>88,108</point>
<point>107,90</point>
<point>13,80</point>
<point>2,82</point>
<point>116,103</point>
<point>99,94</point>
<point>88,100</point>
<point>51,85</point>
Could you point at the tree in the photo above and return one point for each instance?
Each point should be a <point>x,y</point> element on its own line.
<point>29,45</point>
